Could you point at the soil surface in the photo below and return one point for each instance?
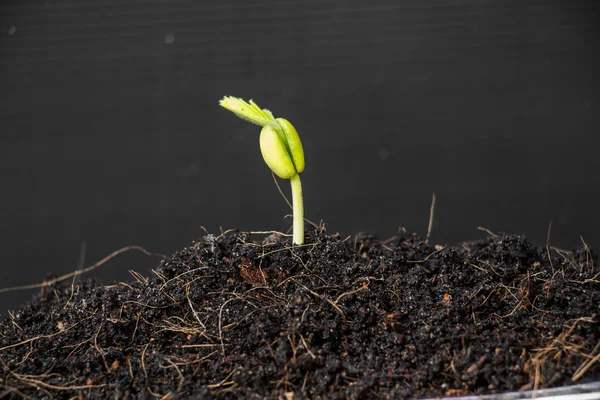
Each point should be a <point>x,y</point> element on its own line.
<point>237,317</point>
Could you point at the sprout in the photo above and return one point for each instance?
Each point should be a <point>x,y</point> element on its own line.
<point>281,149</point>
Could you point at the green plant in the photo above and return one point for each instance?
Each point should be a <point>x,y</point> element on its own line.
<point>281,149</point>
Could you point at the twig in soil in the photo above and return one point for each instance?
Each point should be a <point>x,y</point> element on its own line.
<point>143,305</point>
<point>341,296</point>
<point>296,256</point>
<point>428,257</point>
<point>292,344</point>
<point>45,391</point>
<point>185,273</point>
<point>201,360</point>
<point>182,363</point>
<point>99,349</point>
<point>8,390</point>
<point>477,267</point>
<point>308,221</point>
<point>222,235</point>
<point>182,326</point>
<point>561,344</point>
<point>158,395</point>
<point>290,248</point>
<point>80,265</point>
<point>304,312</point>
<point>267,233</point>
<point>79,271</point>
<point>562,254</point>
<point>593,279</point>
<point>552,268</point>
<point>237,297</point>
<point>492,234</point>
<point>386,241</point>
<point>30,379</point>
<point>333,304</point>
<point>236,323</point>
<point>137,322</point>
<point>519,301</point>
<point>186,346</point>
<point>76,347</point>
<point>284,380</point>
<point>33,339</point>
<point>224,382</point>
<point>283,282</point>
<point>586,365</point>
<point>180,378</point>
<point>14,323</point>
<point>187,295</point>
<point>431,213</point>
<point>310,353</point>
<point>262,273</point>
<point>588,256</point>
<point>159,275</point>
<point>346,239</point>
<point>128,286</point>
<point>143,360</point>
<point>29,352</point>
<point>129,367</point>
<point>304,382</point>
<point>72,292</point>
<point>141,279</point>
<point>537,379</point>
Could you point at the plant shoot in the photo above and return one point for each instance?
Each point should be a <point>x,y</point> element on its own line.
<point>281,149</point>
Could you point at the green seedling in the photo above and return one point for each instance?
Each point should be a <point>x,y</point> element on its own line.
<point>281,149</point>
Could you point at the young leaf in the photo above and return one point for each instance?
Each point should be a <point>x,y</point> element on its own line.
<point>248,111</point>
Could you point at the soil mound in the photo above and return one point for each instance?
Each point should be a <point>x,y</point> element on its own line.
<point>231,317</point>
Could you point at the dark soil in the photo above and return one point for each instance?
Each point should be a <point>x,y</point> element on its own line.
<point>336,318</point>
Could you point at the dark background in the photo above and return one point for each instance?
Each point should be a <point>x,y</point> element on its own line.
<point>111,134</point>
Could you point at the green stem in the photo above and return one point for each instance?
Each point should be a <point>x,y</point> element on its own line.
<point>298,207</point>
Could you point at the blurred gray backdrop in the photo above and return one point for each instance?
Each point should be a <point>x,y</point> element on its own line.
<point>111,134</point>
